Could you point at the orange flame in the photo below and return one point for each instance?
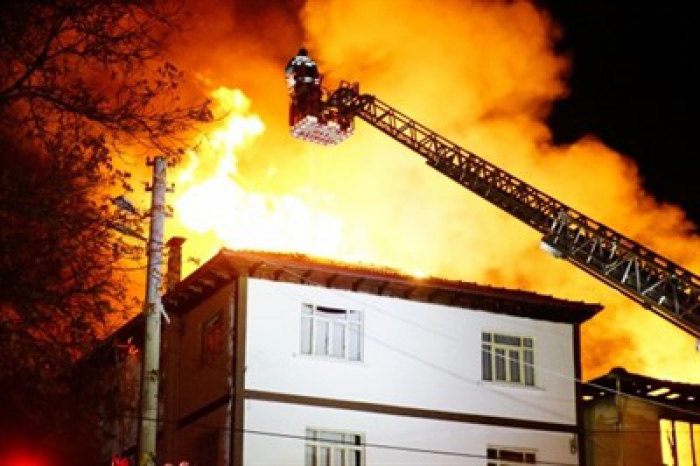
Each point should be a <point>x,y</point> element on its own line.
<point>213,199</point>
<point>484,74</point>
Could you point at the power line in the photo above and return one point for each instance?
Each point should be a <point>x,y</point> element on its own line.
<point>353,297</point>
<point>202,425</point>
<point>383,446</point>
<point>394,447</point>
<point>437,367</point>
<point>477,383</point>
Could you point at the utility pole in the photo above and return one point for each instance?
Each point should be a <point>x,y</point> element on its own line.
<point>150,374</point>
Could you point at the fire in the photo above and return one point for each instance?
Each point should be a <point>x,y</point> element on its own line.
<point>212,197</point>
<point>484,75</point>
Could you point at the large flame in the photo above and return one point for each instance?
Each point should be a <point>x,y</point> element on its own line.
<point>483,74</point>
<point>212,197</point>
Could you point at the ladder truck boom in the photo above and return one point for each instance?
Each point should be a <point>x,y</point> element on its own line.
<point>651,280</point>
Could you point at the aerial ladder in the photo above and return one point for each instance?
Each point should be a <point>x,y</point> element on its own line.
<point>651,280</point>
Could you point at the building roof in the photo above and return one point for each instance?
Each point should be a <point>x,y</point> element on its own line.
<point>299,268</point>
<point>662,392</point>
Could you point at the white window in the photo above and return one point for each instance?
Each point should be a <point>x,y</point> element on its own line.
<point>327,331</point>
<point>329,448</point>
<point>500,456</point>
<point>507,358</point>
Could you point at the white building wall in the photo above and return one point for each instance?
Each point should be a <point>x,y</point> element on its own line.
<point>274,436</point>
<point>415,355</point>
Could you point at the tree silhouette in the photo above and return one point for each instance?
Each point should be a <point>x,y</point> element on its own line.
<point>81,82</point>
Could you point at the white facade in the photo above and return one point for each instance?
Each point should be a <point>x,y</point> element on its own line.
<point>276,437</point>
<point>325,365</point>
<point>416,355</point>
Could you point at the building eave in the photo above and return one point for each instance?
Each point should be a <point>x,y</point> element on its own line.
<point>298,268</point>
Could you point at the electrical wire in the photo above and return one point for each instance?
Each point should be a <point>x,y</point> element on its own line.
<point>383,446</point>
<point>443,370</point>
<point>493,389</point>
<point>477,383</point>
<point>496,316</point>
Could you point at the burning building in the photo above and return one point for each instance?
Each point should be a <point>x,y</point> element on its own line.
<point>636,419</point>
<point>372,202</point>
<point>362,201</point>
<point>274,358</point>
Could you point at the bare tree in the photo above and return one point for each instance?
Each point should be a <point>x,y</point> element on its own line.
<point>93,62</point>
<point>80,81</point>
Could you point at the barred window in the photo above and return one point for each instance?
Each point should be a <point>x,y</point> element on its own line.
<point>332,332</point>
<point>331,448</point>
<point>506,358</point>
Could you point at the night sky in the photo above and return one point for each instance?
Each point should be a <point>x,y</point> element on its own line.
<point>633,86</point>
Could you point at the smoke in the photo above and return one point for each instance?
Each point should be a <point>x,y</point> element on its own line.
<point>482,74</point>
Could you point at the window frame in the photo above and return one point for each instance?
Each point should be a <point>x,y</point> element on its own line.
<point>322,327</point>
<point>684,441</point>
<point>212,339</point>
<point>529,455</point>
<point>505,362</point>
<point>333,446</point>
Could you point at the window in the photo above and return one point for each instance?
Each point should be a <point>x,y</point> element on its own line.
<point>499,456</point>
<point>332,332</point>
<point>328,448</point>
<point>213,339</point>
<point>680,442</point>
<point>507,358</point>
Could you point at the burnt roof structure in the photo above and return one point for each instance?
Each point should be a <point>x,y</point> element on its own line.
<point>303,269</point>
<point>662,392</point>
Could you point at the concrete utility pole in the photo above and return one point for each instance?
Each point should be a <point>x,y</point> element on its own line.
<point>150,374</point>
